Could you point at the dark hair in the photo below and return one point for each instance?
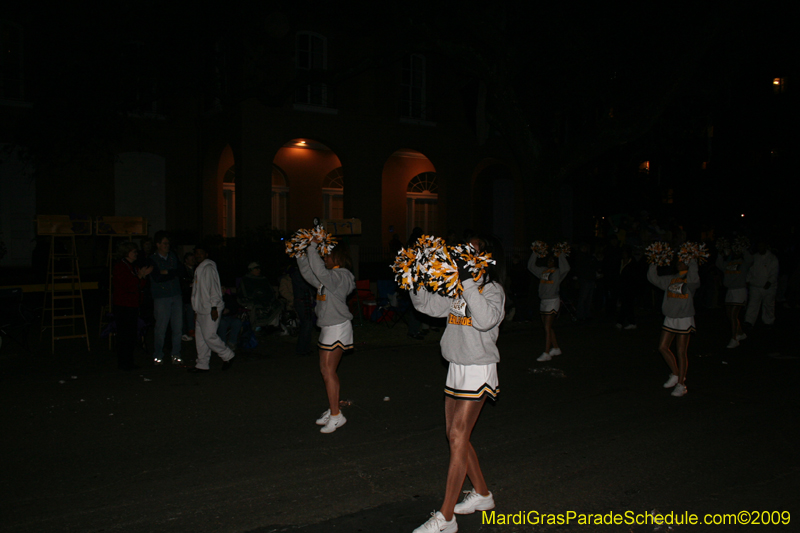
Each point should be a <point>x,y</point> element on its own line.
<point>159,236</point>
<point>124,248</point>
<point>341,256</point>
<point>497,272</point>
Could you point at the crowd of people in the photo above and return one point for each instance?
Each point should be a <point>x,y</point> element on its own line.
<point>606,275</point>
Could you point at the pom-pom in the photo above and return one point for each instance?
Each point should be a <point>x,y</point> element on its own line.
<point>430,265</point>
<point>540,248</point>
<point>561,248</point>
<point>740,244</point>
<point>659,254</point>
<point>693,250</point>
<point>302,238</point>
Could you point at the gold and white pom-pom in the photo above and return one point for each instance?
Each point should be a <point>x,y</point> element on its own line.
<point>540,247</point>
<point>476,262</point>
<point>693,250</point>
<point>562,248</point>
<point>659,254</point>
<point>302,238</point>
<point>740,244</point>
<point>406,269</point>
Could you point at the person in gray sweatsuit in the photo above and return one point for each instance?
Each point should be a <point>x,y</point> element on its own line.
<point>469,345</point>
<point>334,282</point>
<point>678,309</point>
<point>550,278</point>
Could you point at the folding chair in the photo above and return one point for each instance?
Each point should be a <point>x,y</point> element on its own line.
<point>392,309</point>
<point>361,295</point>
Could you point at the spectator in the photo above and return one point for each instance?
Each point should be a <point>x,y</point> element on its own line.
<point>229,323</point>
<point>165,287</point>
<point>129,283</point>
<point>208,305</point>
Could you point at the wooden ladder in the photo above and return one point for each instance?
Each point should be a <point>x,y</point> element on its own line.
<point>63,311</point>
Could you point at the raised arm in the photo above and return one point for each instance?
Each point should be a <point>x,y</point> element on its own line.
<point>662,282</point>
<point>693,276</point>
<point>488,308</point>
<point>535,270</point>
<point>305,270</point>
<point>563,267</point>
<point>431,304</point>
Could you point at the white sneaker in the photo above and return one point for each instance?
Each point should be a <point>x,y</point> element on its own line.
<point>679,390</point>
<point>671,382</point>
<point>157,362</point>
<point>176,360</point>
<point>333,423</point>
<point>437,524</point>
<point>741,337</point>
<point>544,357</point>
<point>474,502</point>
<point>733,343</point>
<point>630,326</point>
<point>324,417</point>
<point>555,351</point>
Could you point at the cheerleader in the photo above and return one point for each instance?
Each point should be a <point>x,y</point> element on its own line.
<point>734,266</point>
<point>550,278</point>
<point>469,344</point>
<point>678,309</point>
<point>334,282</point>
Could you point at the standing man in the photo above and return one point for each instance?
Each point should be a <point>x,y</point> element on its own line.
<point>165,286</point>
<point>762,280</point>
<point>208,305</point>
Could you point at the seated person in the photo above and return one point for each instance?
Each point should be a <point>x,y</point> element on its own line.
<point>229,323</point>
<point>258,296</point>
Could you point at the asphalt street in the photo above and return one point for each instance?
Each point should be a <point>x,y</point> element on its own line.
<point>89,448</point>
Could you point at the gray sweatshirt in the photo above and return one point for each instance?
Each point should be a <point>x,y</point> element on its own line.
<point>734,270</point>
<point>549,278</point>
<point>678,290</point>
<point>333,286</point>
<point>473,321</point>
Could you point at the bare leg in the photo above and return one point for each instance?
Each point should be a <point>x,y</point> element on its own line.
<point>328,362</point>
<point>460,417</point>
<point>546,334</point>
<point>666,353</point>
<point>553,341</point>
<point>731,312</point>
<point>683,357</point>
<point>737,325</point>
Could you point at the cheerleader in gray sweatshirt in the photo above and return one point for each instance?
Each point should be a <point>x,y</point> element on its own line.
<point>334,282</point>
<point>469,344</point>
<point>678,309</point>
<point>734,276</point>
<point>550,278</point>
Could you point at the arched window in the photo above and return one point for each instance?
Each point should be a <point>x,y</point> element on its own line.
<point>333,195</point>
<point>311,54</point>
<point>280,198</point>
<point>422,199</point>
